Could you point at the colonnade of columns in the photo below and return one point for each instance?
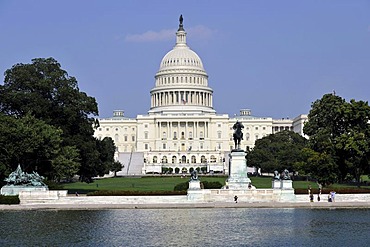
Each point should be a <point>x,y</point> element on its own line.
<point>182,97</point>
<point>200,80</point>
<point>183,130</point>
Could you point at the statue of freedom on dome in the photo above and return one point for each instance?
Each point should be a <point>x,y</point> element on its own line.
<point>181,19</point>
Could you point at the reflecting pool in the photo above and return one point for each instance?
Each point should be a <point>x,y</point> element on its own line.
<point>186,227</point>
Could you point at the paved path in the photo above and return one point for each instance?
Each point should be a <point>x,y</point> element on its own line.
<point>313,205</point>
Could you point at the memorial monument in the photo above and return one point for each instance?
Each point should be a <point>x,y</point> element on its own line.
<point>194,183</point>
<point>238,177</point>
<point>22,181</point>
<point>194,192</point>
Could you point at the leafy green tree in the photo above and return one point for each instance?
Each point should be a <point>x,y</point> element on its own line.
<point>29,142</point>
<point>340,130</point>
<point>116,167</point>
<point>65,165</point>
<point>45,91</point>
<point>277,151</point>
<point>320,166</point>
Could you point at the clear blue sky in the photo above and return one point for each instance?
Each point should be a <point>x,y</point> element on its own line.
<point>274,57</point>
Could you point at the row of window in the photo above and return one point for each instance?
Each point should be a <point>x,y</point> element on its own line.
<point>116,129</point>
<point>281,128</point>
<point>164,146</point>
<point>190,135</point>
<point>181,61</point>
<point>185,159</point>
<point>195,80</point>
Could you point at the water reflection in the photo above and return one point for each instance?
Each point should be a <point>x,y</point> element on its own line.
<point>185,227</point>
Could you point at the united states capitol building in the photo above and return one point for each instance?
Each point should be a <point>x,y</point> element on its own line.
<point>182,130</point>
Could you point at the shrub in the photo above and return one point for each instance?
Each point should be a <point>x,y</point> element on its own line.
<point>53,185</point>
<point>204,185</point>
<point>212,185</point>
<point>181,186</point>
<point>9,199</point>
<point>337,190</point>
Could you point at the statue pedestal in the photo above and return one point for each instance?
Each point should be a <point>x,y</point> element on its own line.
<point>282,184</point>
<point>238,177</point>
<point>13,190</point>
<point>284,190</point>
<point>194,185</point>
<point>286,184</point>
<point>276,184</point>
<point>194,191</point>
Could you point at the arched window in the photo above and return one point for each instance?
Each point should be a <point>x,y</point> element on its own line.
<point>203,159</point>
<point>213,159</point>
<point>183,159</point>
<point>219,134</point>
<point>174,159</point>
<point>175,135</point>
<point>164,159</point>
<point>155,159</point>
<point>247,136</point>
<point>193,159</point>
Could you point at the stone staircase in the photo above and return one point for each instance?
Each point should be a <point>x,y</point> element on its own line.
<point>133,163</point>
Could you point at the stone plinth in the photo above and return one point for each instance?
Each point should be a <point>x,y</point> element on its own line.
<point>286,184</point>
<point>194,185</point>
<point>194,191</point>
<point>238,177</point>
<point>13,190</point>
<point>276,184</point>
<point>282,184</point>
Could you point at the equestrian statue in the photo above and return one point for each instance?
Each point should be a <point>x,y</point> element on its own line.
<point>238,134</point>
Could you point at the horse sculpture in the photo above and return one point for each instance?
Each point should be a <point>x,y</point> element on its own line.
<point>238,134</point>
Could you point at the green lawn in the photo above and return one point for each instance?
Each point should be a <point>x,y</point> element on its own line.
<point>167,183</point>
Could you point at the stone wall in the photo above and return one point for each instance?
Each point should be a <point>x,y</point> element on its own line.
<point>194,196</point>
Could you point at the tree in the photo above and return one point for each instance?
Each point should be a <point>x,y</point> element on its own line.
<point>320,166</point>
<point>340,131</point>
<point>277,151</point>
<point>29,142</point>
<point>65,165</point>
<point>45,91</point>
<point>116,167</point>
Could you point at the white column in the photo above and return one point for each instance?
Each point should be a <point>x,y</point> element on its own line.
<point>160,130</point>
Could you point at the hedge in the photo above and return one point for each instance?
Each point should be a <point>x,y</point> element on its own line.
<point>204,185</point>
<point>9,199</point>
<point>337,190</point>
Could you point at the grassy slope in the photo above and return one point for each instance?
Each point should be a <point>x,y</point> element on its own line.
<point>135,184</point>
<point>167,183</point>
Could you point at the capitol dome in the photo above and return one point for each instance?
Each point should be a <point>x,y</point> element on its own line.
<point>181,81</point>
<point>181,56</point>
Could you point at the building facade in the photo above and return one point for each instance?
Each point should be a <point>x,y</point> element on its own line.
<point>182,131</point>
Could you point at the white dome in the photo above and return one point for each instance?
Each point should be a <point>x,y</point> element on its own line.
<point>181,83</point>
<point>179,57</point>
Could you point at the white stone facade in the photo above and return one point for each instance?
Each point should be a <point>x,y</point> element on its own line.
<point>182,131</point>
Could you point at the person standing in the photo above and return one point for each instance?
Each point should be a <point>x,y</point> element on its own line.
<point>236,199</point>
<point>332,195</point>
